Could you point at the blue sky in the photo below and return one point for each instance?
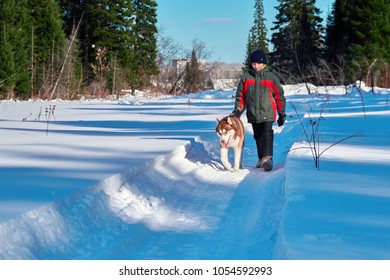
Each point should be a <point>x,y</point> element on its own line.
<point>222,24</point>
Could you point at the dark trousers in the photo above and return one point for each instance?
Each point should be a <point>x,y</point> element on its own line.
<point>264,137</point>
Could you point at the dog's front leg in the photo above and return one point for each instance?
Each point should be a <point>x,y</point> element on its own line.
<point>225,159</point>
<point>237,158</point>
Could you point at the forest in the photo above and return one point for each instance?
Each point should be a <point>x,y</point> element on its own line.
<point>71,49</point>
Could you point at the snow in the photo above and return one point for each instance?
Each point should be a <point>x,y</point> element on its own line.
<point>140,178</point>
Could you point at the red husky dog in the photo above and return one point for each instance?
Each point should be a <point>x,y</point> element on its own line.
<point>230,131</point>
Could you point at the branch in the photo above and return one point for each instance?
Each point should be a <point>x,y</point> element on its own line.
<point>66,57</point>
<point>357,134</point>
<point>306,135</point>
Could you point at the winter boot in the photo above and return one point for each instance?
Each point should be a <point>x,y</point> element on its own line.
<point>260,152</point>
<point>266,163</point>
<point>258,164</point>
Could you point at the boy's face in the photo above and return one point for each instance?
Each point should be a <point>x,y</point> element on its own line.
<point>258,66</point>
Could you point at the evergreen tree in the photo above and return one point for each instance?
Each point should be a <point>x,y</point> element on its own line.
<point>257,38</point>
<point>144,53</point>
<point>297,38</point>
<point>113,30</point>
<point>338,30</point>
<point>14,48</point>
<point>100,23</point>
<point>73,13</point>
<point>112,26</point>
<point>127,29</point>
<point>358,33</point>
<point>47,41</point>
<point>194,78</point>
<point>370,24</point>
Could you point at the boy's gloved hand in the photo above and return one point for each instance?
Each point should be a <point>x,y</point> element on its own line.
<point>282,118</point>
<point>235,113</point>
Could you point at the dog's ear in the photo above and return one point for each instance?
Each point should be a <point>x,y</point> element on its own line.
<point>229,121</point>
<point>217,121</point>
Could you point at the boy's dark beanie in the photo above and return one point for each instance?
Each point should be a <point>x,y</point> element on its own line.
<point>258,56</point>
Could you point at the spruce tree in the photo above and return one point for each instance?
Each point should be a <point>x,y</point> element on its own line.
<point>113,30</point>
<point>14,49</point>
<point>194,78</point>
<point>144,53</point>
<point>127,29</point>
<point>370,26</point>
<point>73,13</point>
<point>47,41</point>
<point>358,34</point>
<point>257,38</point>
<point>297,39</point>
<point>338,31</point>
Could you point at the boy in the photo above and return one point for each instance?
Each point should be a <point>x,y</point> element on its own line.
<point>261,94</point>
